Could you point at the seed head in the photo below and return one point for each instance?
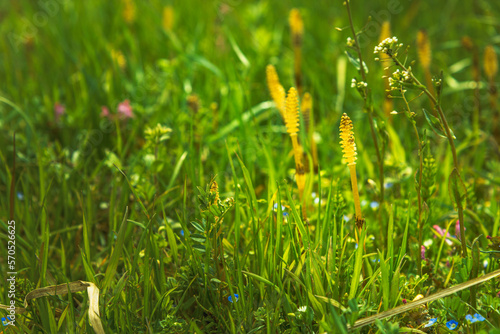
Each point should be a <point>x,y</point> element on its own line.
<point>292,112</point>
<point>276,89</point>
<point>490,62</point>
<point>347,140</point>
<point>424,48</point>
<point>296,26</point>
<point>168,18</point>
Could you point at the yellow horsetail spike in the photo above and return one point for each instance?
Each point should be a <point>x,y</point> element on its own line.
<point>296,26</point>
<point>292,112</point>
<point>349,149</point>
<point>347,140</point>
<point>276,89</point>
<point>490,62</point>
<point>424,49</point>
<point>168,18</point>
<point>297,31</point>
<point>292,127</point>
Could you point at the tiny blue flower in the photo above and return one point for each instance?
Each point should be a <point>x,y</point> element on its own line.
<point>275,207</point>
<point>374,205</point>
<point>356,246</point>
<point>236,297</point>
<point>470,318</point>
<point>388,185</point>
<point>285,214</point>
<point>431,322</point>
<point>20,196</point>
<point>452,324</point>
<point>346,218</point>
<point>479,317</point>
<point>182,232</point>
<point>4,321</point>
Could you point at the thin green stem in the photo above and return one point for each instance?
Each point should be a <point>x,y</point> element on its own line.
<point>447,130</point>
<point>369,109</point>
<point>419,190</point>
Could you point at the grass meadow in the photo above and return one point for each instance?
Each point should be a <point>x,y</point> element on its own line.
<point>230,166</point>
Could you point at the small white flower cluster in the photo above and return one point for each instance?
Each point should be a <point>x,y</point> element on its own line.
<point>399,77</point>
<point>359,84</point>
<point>437,82</point>
<point>350,41</point>
<point>302,309</point>
<point>387,45</point>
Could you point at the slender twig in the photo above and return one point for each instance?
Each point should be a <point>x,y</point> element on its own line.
<point>419,190</point>
<point>369,109</point>
<point>447,130</point>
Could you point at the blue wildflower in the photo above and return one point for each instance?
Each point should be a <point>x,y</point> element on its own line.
<point>452,324</point>
<point>346,218</point>
<point>431,322</point>
<point>374,205</point>
<point>479,317</point>
<point>4,322</point>
<point>470,318</point>
<point>285,214</point>
<point>20,196</point>
<point>182,232</point>
<point>236,297</point>
<point>275,207</point>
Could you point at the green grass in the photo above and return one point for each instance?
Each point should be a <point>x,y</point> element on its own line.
<point>102,201</point>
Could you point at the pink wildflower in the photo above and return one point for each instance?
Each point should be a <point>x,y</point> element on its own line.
<point>457,229</point>
<point>104,112</point>
<point>125,109</point>
<point>440,231</point>
<point>422,252</point>
<point>59,110</point>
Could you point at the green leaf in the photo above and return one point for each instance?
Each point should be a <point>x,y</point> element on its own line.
<point>355,62</point>
<point>200,248</point>
<point>116,254</point>
<point>198,227</point>
<point>198,238</point>
<point>358,263</point>
<point>434,123</point>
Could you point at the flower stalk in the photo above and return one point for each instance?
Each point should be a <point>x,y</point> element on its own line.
<point>292,127</point>
<point>349,149</point>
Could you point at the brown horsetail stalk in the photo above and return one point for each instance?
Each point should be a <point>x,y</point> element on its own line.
<point>306,109</point>
<point>469,44</point>
<point>385,32</point>
<point>491,69</point>
<point>297,32</point>
<point>276,89</point>
<point>349,149</point>
<point>424,52</point>
<point>292,127</point>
